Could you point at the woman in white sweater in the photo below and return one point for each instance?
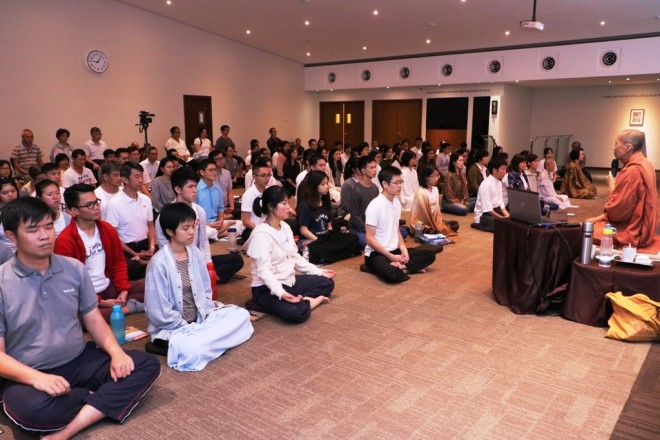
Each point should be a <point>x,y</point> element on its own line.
<point>275,259</point>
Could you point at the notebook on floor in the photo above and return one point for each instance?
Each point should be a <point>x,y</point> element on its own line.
<point>525,206</point>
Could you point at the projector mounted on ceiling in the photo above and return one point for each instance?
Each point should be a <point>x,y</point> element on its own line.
<point>532,24</point>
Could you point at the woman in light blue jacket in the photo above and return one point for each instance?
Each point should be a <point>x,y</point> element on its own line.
<point>182,317</point>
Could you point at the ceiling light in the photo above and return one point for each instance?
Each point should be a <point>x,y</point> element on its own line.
<point>306,22</point>
<point>627,79</point>
<point>364,47</point>
<point>248,32</point>
<point>516,80</point>
<point>387,87</point>
<point>332,90</point>
<point>602,23</point>
<point>462,1</point>
<point>428,41</point>
<point>375,11</point>
<point>507,33</point>
<point>309,54</point>
<point>609,82</point>
<point>169,2</point>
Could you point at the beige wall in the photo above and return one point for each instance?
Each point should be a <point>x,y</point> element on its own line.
<point>594,116</point>
<point>153,63</point>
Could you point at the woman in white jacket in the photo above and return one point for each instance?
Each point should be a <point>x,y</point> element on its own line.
<point>182,317</point>
<point>275,259</point>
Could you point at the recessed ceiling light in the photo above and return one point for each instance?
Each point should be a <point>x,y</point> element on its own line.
<point>602,23</point>
<point>387,87</point>
<point>306,22</point>
<point>439,85</point>
<point>309,54</point>
<point>609,82</point>
<point>507,33</point>
<point>332,90</point>
<point>248,32</point>
<point>516,80</point>
<point>169,2</point>
<point>462,1</point>
<point>375,11</point>
<point>428,41</point>
<point>627,79</point>
<point>364,47</point>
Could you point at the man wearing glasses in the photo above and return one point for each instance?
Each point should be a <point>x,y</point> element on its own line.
<point>261,174</point>
<point>386,254</point>
<point>96,244</point>
<point>209,197</point>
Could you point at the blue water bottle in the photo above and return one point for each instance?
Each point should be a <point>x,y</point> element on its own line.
<point>117,324</point>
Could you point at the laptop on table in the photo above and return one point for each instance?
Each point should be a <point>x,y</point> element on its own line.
<point>525,206</point>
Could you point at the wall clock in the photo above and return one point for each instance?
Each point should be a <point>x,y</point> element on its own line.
<point>96,61</point>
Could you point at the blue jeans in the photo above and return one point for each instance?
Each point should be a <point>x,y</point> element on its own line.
<point>457,208</point>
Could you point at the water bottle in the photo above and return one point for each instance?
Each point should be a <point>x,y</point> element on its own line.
<point>606,244</point>
<point>587,242</point>
<point>214,279</point>
<point>117,324</point>
<point>306,251</point>
<point>231,238</point>
<point>419,227</point>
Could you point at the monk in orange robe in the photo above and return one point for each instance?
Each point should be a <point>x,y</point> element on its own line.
<point>632,206</point>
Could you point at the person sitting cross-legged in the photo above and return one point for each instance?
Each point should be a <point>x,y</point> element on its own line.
<point>95,243</point>
<point>182,317</point>
<point>52,380</point>
<point>490,202</point>
<point>386,254</point>
<point>275,260</point>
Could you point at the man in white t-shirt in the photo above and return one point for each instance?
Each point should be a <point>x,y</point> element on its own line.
<point>95,243</point>
<point>261,173</point>
<point>490,202</point>
<point>386,254</point>
<point>131,213</point>
<point>110,185</point>
<point>94,148</point>
<point>78,173</point>
<point>150,165</point>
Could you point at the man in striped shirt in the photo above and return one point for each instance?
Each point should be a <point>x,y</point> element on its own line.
<point>26,154</point>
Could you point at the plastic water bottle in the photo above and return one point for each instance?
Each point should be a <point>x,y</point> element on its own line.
<point>606,244</point>
<point>231,238</point>
<point>306,252</point>
<point>419,227</point>
<point>117,324</point>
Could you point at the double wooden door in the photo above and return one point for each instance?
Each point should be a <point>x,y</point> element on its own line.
<point>396,120</point>
<point>342,121</point>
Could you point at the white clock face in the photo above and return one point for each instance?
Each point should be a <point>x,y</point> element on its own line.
<point>96,61</point>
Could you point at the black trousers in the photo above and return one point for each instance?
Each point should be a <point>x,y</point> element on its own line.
<point>89,372</point>
<point>381,266</point>
<point>136,269</point>
<point>227,265</point>
<point>306,285</point>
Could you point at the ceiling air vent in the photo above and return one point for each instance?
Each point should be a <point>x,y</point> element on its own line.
<point>548,63</point>
<point>366,75</point>
<point>404,72</point>
<point>332,77</point>
<point>494,66</point>
<point>447,69</point>
<point>608,59</point>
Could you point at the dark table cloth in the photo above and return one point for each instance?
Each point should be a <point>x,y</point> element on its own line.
<point>586,302</point>
<point>531,262</point>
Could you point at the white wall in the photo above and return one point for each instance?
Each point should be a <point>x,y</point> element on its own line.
<point>515,118</point>
<point>153,62</point>
<point>594,116</point>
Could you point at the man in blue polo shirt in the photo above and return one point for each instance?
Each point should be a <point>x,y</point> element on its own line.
<point>50,379</point>
<point>210,198</point>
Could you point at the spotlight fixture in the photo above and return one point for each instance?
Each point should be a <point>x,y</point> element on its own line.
<point>248,32</point>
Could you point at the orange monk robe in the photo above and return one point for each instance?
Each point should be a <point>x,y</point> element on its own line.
<point>632,207</point>
<point>431,217</point>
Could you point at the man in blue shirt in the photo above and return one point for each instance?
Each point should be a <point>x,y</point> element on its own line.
<point>210,198</point>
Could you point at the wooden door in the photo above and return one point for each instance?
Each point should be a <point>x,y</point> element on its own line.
<point>341,121</point>
<point>197,114</point>
<point>396,120</point>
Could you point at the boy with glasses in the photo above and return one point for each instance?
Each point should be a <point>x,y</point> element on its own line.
<point>261,172</point>
<point>386,254</point>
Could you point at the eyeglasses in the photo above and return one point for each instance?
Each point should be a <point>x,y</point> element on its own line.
<point>267,176</point>
<point>211,170</point>
<point>90,205</point>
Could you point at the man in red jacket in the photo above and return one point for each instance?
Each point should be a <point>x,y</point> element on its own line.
<point>95,243</point>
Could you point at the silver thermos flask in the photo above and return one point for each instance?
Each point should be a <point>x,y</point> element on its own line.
<point>587,242</point>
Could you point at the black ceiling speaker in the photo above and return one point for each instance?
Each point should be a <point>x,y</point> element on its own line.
<point>494,66</point>
<point>548,63</point>
<point>447,69</point>
<point>332,77</point>
<point>366,75</point>
<point>608,59</point>
<point>404,72</point>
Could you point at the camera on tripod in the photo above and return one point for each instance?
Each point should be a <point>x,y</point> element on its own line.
<point>143,125</point>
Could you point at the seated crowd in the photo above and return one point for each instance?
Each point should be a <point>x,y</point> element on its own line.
<point>119,227</point>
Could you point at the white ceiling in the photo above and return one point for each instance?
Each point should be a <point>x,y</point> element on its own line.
<point>339,29</point>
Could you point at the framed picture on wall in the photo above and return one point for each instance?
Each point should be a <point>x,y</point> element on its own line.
<point>636,117</point>
<point>493,107</point>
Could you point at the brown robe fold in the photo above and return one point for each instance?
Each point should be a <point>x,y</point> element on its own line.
<point>575,184</point>
<point>421,211</point>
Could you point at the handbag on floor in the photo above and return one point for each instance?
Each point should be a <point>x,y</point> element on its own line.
<point>635,318</point>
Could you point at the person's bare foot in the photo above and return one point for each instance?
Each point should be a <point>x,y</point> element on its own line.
<point>315,302</point>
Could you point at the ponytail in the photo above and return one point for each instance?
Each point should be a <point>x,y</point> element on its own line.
<point>257,208</point>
